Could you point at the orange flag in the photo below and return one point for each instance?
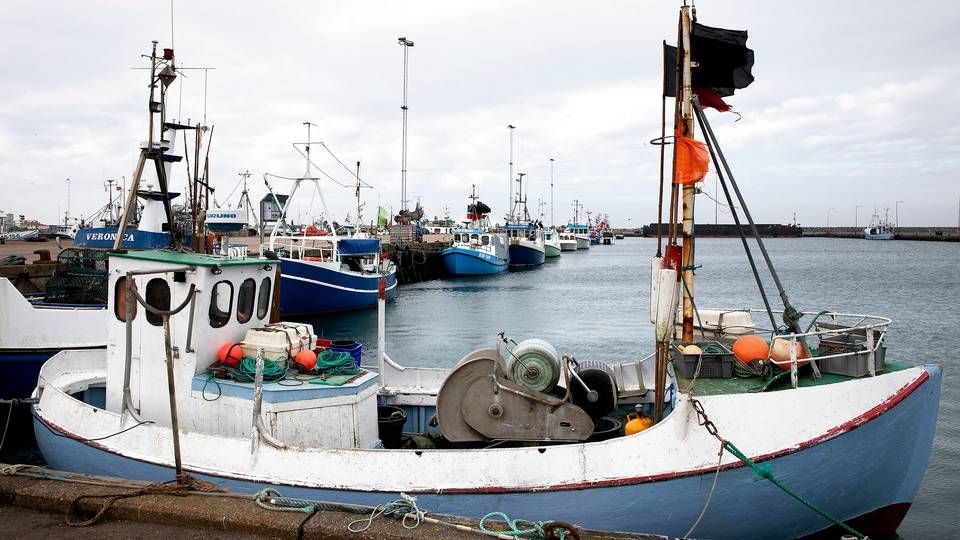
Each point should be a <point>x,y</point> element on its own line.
<point>692,160</point>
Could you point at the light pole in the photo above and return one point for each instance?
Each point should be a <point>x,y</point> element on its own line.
<point>67,215</point>
<point>552,224</point>
<point>896,214</point>
<point>828,216</point>
<point>511,127</point>
<point>406,43</point>
<point>856,217</point>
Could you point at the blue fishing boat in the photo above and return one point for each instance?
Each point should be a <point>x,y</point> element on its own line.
<point>151,231</point>
<point>476,250</point>
<point>320,270</point>
<point>525,236</point>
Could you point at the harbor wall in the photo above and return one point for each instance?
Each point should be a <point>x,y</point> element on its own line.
<point>935,234</point>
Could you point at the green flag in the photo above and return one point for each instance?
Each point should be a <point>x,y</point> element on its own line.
<point>382,217</point>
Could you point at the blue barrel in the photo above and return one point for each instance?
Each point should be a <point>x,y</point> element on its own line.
<point>348,346</point>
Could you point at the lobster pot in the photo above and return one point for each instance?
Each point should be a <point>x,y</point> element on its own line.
<point>279,341</point>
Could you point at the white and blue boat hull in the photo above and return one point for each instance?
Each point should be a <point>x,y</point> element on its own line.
<point>313,289</point>
<point>867,469</point>
<point>458,261</point>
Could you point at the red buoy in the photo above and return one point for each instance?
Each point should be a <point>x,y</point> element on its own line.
<point>750,348</point>
<point>306,358</point>
<point>230,353</point>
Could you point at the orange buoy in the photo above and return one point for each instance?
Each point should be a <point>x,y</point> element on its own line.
<point>780,351</point>
<point>750,348</point>
<point>306,358</point>
<point>230,353</point>
<point>636,423</point>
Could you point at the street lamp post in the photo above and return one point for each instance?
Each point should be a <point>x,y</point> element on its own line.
<point>552,224</point>
<point>896,214</point>
<point>856,217</point>
<point>406,43</point>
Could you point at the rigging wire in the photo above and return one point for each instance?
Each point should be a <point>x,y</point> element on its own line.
<point>342,164</point>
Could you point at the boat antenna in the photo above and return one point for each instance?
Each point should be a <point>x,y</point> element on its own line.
<point>511,127</point>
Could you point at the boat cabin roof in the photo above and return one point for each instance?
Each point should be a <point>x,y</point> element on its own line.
<point>187,258</point>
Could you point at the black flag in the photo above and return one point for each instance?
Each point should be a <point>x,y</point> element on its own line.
<point>724,62</point>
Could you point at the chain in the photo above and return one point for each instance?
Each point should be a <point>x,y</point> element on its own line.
<point>704,420</point>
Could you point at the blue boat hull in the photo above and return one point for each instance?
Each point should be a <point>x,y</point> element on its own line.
<point>19,370</point>
<point>309,289</point>
<point>521,256</point>
<point>870,471</point>
<point>464,262</point>
<point>103,237</point>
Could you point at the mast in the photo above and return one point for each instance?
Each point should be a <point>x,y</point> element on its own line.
<point>685,128</point>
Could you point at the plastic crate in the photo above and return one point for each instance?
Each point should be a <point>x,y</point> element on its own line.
<point>712,365</point>
<point>853,365</point>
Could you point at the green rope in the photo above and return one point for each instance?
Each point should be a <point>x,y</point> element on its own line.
<point>517,528</point>
<point>766,472</point>
<point>336,363</point>
<point>246,370</point>
<point>270,499</point>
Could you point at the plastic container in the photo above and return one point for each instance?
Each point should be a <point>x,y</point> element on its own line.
<point>345,345</point>
<point>853,365</point>
<point>712,365</point>
<point>390,422</point>
<point>606,428</point>
<point>278,340</point>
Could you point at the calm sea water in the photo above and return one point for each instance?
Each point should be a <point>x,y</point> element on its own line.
<point>594,305</point>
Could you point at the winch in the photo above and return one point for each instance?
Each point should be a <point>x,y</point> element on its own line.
<point>480,401</point>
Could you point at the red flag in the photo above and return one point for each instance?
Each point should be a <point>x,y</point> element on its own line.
<point>709,98</point>
<point>692,160</point>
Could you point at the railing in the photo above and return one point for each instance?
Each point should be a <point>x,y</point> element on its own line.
<point>852,326</point>
<point>317,248</point>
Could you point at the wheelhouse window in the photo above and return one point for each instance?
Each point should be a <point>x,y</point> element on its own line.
<point>474,237</point>
<point>221,300</point>
<point>245,298</point>
<point>263,300</point>
<point>158,297</point>
<point>120,301</point>
<point>485,240</point>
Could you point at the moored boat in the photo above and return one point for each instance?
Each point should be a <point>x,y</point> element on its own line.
<point>527,245</point>
<point>551,243</point>
<point>475,249</point>
<point>322,271</point>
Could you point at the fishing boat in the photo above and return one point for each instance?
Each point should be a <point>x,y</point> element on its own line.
<point>152,230</point>
<point>475,249</point>
<point>527,246</point>
<point>28,234</point>
<point>580,233</point>
<point>321,270</point>
<point>568,242</point>
<point>551,243</point>
<point>821,432</point>
<point>879,229</point>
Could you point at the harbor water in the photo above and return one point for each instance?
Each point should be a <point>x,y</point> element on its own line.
<point>594,305</point>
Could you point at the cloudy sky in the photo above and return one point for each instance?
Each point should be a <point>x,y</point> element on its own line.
<point>853,104</point>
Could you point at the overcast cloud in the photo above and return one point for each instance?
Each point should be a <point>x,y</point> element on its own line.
<point>853,102</point>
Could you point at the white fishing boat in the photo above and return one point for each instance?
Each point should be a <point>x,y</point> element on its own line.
<point>568,242</point>
<point>822,433</point>
<point>551,243</point>
<point>879,229</point>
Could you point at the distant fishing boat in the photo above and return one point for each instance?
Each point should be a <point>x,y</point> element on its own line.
<point>551,243</point>
<point>568,242</point>
<point>475,249</point>
<point>879,230</point>
<point>28,234</point>
<point>322,271</point>
<point>527,246</point>
<point>578,231</point>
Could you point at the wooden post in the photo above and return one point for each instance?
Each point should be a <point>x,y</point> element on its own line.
<point>689,191</point>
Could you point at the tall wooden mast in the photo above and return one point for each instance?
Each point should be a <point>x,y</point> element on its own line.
<point>685,128</point>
